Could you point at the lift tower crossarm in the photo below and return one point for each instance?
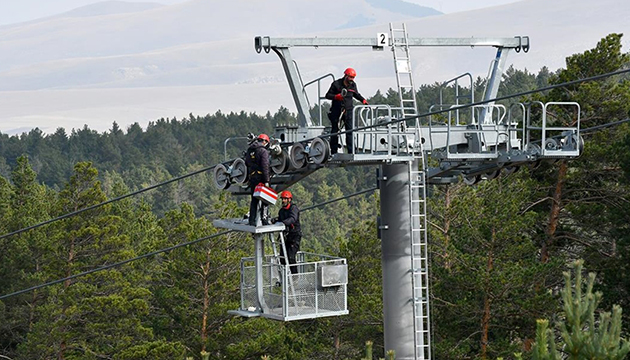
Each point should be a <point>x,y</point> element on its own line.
<point>266,43</point>
<point>281,46</point>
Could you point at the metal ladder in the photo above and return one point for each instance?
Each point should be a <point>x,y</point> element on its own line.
<point>286,269</point>
<point>402,64</point>
<point>419,259</point>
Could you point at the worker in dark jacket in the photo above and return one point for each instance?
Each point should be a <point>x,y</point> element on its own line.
<point>257,161</point>
<point>289,215</point>
<point>341,92</point>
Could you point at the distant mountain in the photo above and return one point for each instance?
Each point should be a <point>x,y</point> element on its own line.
<point>97,9</point>
<point>395,6</point>
<point>198,56</point>
<point>109,8</point>
<point>117,29</point>
<point>403,7</point>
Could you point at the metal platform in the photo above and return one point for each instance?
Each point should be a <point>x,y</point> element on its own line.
<point>243,225</point>
<point>319,289</point>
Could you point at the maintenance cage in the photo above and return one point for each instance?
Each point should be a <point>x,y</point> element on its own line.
<point>318,289</point>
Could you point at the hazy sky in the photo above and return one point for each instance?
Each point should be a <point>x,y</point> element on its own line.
<point>451,6</point>
<point>14,11</point>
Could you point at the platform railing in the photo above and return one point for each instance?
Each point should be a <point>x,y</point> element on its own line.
<point>384,137</point>
<point>484,139</point>
<point>319,289</point>
<point>549,130</point>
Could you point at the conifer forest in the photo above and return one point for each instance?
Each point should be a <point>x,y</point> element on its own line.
<point>530,265</point>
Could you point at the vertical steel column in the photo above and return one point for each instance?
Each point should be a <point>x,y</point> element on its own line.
<point>492,88</point>
<point>396,253</point>
<point>299,96</point>
<point>259,258</point>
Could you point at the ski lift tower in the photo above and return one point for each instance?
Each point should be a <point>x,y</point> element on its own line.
<point>474,142</point>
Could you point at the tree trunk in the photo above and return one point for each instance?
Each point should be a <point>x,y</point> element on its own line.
<point>485,321</point>
<point>66,284</point>
<point>206,304</point>
<point>33,304</point>
<point>555,212</point>
<point>447,226</point>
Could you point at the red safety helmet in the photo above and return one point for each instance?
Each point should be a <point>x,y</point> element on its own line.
<point>350,72</point>
<point>263,137</point>
<point>286,194</point>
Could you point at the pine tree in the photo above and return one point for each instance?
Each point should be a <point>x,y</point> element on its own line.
<point>25,203</point>
<point>584,334</point>
<point>485,273</point>
<point>101,314</point>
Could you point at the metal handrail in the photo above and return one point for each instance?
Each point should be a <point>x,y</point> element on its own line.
<point>319,92</point>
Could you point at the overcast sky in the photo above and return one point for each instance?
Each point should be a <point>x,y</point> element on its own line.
<point>14,11</point>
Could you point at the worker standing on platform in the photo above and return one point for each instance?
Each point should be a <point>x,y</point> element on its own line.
<point>289,215</point>
<point>341,92</point>
<point>257,161</point>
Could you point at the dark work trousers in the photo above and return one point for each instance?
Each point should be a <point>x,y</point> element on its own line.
<point>253,205</point>
<point>292,243</point>
<point>347,122</point>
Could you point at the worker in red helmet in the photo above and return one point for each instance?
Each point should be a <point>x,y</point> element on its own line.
<point>289,215</point>
<point>342,92</point>
<point>257,161</point>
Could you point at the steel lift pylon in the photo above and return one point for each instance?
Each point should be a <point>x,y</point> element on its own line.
<point>474,143</point>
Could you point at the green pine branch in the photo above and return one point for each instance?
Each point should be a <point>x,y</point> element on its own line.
<point>584,334</point>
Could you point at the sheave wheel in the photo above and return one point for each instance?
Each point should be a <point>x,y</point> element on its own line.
<point>297,157</point>
<point>239,171</point>
<point>221,177</point>
<point>320,151</point>
<point>551,144</point>
<point>508,170</point>
<point>493,174</point>
<point>471,180</point>
<point>280,163</point>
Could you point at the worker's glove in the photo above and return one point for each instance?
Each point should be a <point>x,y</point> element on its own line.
<point>338,97</point>
<point>365,102</point>
<point>274,220</point>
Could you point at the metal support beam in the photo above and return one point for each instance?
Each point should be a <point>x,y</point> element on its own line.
<point>396,251</point>
<point>293,77</point>
<point>259,257</point>
<point>494,80</point>
<point>266,43</point>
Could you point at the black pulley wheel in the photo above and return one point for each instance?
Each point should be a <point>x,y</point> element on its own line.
<point>280,163</point>
<point>320,151</point>
<point>239,171</point>
<point>221,177</point>
<point>297,157</point>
